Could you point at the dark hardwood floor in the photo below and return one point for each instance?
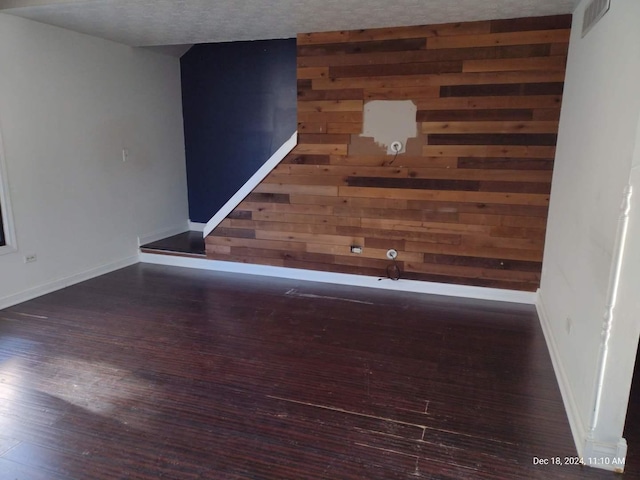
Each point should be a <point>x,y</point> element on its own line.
<point>160,372</point>
<point>632,427</point>
<point>189,244</point>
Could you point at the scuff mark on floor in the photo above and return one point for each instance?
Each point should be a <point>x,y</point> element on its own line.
<point>292,292</point>
<point>31,315</point>
<point>348,412</point>
<point>387,450</point>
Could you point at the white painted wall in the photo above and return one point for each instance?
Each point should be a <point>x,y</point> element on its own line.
<point>69,104</point>
<point>597,136</point>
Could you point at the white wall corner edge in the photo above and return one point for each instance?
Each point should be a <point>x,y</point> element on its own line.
<point>414,286</point>
<point>607,456</point>
<point>576,424</point>
<point>64,282</point>
<point>196,226</point>
<point>252,183</point>
<point>597,454</point>
<point>163,233</point>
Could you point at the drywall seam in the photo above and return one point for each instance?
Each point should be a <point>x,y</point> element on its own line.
<point>252,183</point>
<point>464,291</point>
<point>64,282</point>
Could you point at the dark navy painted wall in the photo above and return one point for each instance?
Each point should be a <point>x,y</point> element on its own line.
<point>239,107</point>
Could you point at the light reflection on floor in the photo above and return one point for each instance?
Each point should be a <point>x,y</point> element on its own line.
<point>96,387</point>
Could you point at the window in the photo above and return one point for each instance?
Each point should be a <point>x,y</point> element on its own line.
<point>7,235</point>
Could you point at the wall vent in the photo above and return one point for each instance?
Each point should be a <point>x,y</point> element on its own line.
<point>594,12</point>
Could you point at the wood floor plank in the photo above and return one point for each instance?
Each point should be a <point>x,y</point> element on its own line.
<point>162,372</point>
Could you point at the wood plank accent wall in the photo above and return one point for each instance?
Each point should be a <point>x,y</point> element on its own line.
<point>469,207</point>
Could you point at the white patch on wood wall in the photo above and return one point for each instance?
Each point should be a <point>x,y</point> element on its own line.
<point>388,121</point>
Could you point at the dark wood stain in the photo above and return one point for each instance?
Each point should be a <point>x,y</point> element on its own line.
<point>496,263</point>
<point>404,69</point>
<point>506,163</point>
<point>161,372</point>
<point>362,47</point>
<point>414,183</point>
<point>234,232</point>
<point>507,114</point>
<point>306,160</point>
<point>506,89</point>
<point>492,139</point>
<point>534,23</point>
<point>268,197</point>
<point>515,187</point>
<point>346,94</point>
<point>190,243</point>
<point>241,215</point>
<point>554,88</point>
<point>413,56</point>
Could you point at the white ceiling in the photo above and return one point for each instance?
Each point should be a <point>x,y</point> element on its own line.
<point>180,22</point>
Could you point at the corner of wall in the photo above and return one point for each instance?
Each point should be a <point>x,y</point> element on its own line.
<point>196,226</point>
<point>61,283</point>
<point>607,456</point>
<point>163,233</point>
<point>578,429</point>
<point>594,453</point>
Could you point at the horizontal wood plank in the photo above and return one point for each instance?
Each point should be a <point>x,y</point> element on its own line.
<point>330,106</point>
<point>320,149</point>
<point>468,201</point>
<point>509,38</point>
<point>490,127</point>
<point>445,196</point>
<point>274,188</point>
<point>557,63</point>
<point>488,151</point>
<point>478,78</point>
<point>490,103</point>
<point>446,29</point>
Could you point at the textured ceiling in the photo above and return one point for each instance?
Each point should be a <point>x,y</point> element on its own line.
<point>178,22</point>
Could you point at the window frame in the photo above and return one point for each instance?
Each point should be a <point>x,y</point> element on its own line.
<point>10,244</point>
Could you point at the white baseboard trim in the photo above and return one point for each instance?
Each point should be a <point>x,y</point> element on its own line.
<point>578,429</point>
<point>196,226</point>
<point>252,183</point>
<point>164,233</point>
<point>606,456</point>
<point>465,291</point>
<point>64,282</point>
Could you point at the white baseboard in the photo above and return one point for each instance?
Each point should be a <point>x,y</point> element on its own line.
<point>465,291</point>
<point>164,233</point>
<point>578,429</point>
<point>64,282</point>
<point>196,226</point>
<point>606,456</point>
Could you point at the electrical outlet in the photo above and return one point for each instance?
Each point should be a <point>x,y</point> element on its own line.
<point>125,154</point>
<point>30,258</point>
<point>356,249</point>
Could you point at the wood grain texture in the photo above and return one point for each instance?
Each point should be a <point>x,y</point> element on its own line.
<point>467,204</point>
<point>155,372</point>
